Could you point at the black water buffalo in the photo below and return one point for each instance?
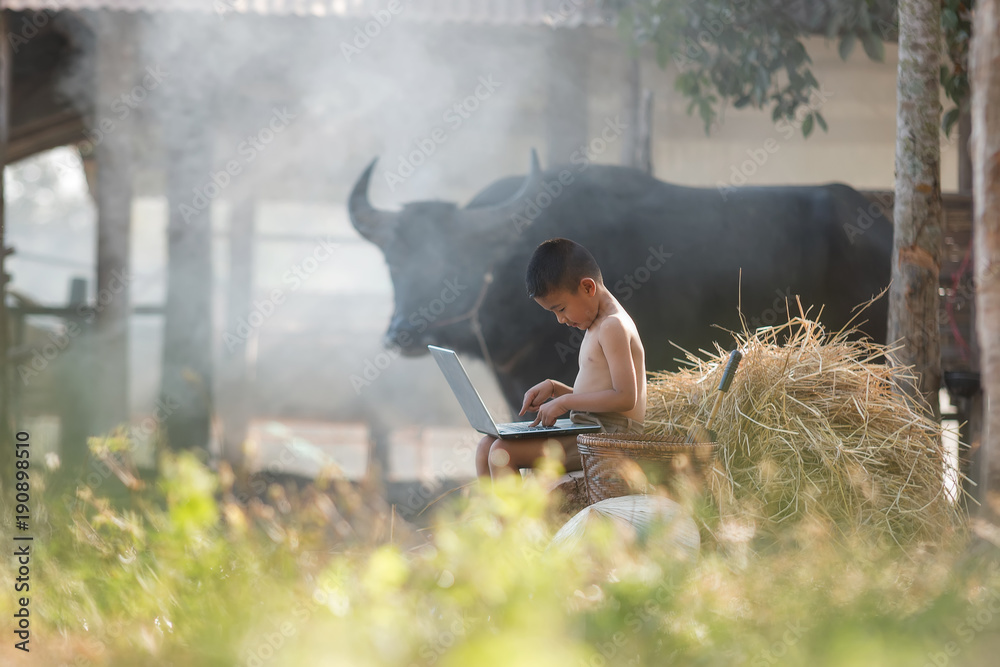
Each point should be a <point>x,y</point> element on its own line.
<point>672,255</point>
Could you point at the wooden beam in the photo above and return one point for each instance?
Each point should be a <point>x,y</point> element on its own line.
<point>44,134</point>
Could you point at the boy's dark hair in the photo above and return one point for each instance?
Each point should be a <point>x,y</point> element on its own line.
<point>559,263</point>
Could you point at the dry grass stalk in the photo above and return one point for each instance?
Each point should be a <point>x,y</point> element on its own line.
<point>812,429</point>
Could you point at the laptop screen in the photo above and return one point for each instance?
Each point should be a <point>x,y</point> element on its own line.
<point>470,400</point>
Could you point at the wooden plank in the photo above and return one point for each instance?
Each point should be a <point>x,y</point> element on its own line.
<point>44,134</point>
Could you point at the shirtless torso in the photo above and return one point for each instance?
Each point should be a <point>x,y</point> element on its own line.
<point>595,372</point>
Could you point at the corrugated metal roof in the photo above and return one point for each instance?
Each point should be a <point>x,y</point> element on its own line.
<point>569,13</point>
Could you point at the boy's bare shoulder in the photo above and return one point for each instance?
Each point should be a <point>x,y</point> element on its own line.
<point>618,324</point>
<point>619,318</point>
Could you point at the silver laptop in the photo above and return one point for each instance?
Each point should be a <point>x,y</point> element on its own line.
<point>480,417</point>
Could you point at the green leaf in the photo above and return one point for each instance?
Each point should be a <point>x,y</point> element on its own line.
<point>873,46</point>
<point>949,120</point>
<point>796,54</point>
<point>847,45</point>
<point>864,18</point>
<point>949,19</point>
<point>807,126</point>
<point>820,120</point>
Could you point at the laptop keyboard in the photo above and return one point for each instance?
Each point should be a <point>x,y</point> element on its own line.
<point>526,426</point>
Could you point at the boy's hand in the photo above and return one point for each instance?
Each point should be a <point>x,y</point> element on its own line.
<point>534,397</point>
<point>549,412</point>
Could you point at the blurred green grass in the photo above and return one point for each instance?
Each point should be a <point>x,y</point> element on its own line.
<point>190,571</point>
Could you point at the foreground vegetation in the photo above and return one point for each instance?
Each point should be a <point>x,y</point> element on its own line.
<point>191,572</point>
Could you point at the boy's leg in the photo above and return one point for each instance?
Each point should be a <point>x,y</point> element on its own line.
<point>483,455</point>
<point>507,456</point>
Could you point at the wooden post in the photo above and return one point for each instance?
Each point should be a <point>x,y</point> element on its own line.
<point>632,98</point>
<point>111,138</point>
<point>188,112</point>
<point>235,399</point>
<point>566,112</point>
<point>186,108</point>
<point>78,367</point>
<point>6,422</point>
<point>644,150</point>
<point>186,386</point>
<point>637,138</point>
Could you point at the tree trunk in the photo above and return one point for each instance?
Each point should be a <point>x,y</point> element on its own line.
<point>6,422</point>
<point>916,262</point>
<point>985,80</point>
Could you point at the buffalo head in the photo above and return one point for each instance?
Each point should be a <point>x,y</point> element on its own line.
<point>439,257</point>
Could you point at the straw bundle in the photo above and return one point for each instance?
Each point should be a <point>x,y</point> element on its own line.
<point>811,428</point>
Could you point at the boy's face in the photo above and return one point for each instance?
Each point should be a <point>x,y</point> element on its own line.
<point>576,308</point>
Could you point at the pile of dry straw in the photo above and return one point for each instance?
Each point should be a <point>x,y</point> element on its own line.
<point>811,428</point>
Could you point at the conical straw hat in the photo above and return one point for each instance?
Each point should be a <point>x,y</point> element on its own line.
<point>635,517</point>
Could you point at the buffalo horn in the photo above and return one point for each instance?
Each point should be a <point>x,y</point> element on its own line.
<point>486,217</point>
<point>375,225</point>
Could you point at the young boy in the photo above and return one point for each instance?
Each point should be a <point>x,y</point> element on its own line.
<point>610,388</point>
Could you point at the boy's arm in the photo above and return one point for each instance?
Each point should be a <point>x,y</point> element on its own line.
<point>622,396</point>
<point>536,397</point>
<point>560,389</point>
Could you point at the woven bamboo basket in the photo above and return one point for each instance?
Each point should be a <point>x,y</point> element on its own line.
<point>625,463</point>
